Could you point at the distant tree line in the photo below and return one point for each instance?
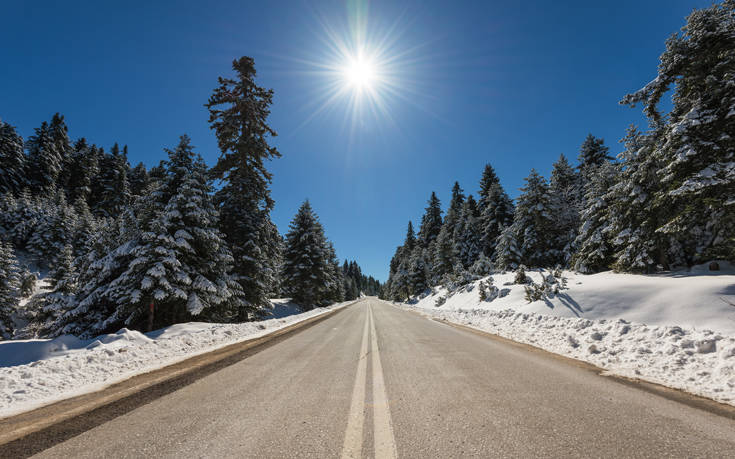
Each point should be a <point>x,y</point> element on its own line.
<point>667,201</point>
<point>144,248</point>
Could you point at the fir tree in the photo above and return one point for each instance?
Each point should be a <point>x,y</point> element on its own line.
<point>695,140</point>
<point>565,203</point>
<point>238,112</point>
<point>431,222</point>
<point>9,289</point>
<point>633,215</point>
<point>495,208</point>
<point>468,242</point>
<point>592,153</point>
<point>533,223</point>
<point>44,161</point>
<point>307,267</point>
<point>594,245</point>
<point>83,167</point>
<point>12,160</point>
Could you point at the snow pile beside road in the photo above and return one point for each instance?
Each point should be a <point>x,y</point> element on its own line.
<point>652,327</point>
<point>701,362</point>
<point>40,371</point>
<point>693,299</point>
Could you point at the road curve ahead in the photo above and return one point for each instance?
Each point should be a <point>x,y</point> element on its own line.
<point>377,381</point>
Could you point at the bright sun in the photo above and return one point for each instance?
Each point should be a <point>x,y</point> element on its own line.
<point>359,73</point>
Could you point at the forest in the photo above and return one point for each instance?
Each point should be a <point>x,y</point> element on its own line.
<point>89,244</point>
<point>666,202</point>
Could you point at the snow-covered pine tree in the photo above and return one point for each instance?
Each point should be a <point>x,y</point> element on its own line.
<point>507,255</point>
<point>114,191</point>
<point>468,235</point>
<point>633,214</point>
<point>181,263</point>
<point>9,289</point>
<point>138,179</point>
<point>594,242</point>
<point>418,271</point>
<point>533,223</point>
<point>12,160</point>
<point>81,171</point>
<point>307,261</point>
<point>592,153</point>
<point>44,310</point>
<point>564,192</point>
<point>495,208</point>
<point>444,255</point>
<point>431,222</point>
<point>44,161</point>
<point>238,113</point>
<point>454,211</point>
<point>696,139</point>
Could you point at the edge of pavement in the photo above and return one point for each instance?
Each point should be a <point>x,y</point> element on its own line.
<point>669,393</point>
<point>66,418</point>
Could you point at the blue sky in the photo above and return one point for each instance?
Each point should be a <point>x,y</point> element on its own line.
<point>510,83</point>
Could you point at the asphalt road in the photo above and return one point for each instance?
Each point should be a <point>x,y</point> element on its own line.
<point>376,381</point>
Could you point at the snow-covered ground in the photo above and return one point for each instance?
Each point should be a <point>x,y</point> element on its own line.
<point>40,371</point>
<point>676,329</point>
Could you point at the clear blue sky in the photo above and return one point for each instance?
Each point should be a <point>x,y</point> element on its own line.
<point>510,83</point>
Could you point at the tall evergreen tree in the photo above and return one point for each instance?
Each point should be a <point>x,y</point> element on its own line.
<point>12,160</point>
<point>238,112</point>
<point>594,242</point>
<point>695,140</point>
<point>307,267</point>
<point>9,289</point>
<point>565,204</point>
<point>468,236</point>
<point>496,210</point>
<point>533,223</point>
<point>44,161</point>
<point>431,222</point>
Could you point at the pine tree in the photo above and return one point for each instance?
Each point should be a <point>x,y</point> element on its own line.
<point>592,153</point>
<point>431,222</point>
<point>82,169</point>
<point>139,180</point>
<point>594,245</point>
<point>633,215</point>
<point>565,203</point>
<point>238,112</point>
<point>418,271</point>
<point>63,276</point>
<point>444,255</point>
<point>695,140</point>
<point>12,160</point>
<point>9,289</point>
<point>533,223</point>
<point>307,268</point>
<point>454,212</point>
<point>113,190</point>
<point>495,208</point>
<point>507,255</point>
<point>468,242</point>
<point>44,161</point>
<point>181,263</point>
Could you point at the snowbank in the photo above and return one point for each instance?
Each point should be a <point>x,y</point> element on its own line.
<point>656,328</point>
<point>692,299</point>
<point>40,371</point>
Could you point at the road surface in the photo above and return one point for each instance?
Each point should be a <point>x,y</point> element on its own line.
<point>377,381</point>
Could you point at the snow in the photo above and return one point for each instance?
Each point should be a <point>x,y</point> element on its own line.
<point>41,371</point>
<point>676,329</point>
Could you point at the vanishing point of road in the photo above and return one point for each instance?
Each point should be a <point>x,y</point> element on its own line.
<point>376,381</point>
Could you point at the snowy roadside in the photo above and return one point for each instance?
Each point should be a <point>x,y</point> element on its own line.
<point>598,319</point>
<point>700,362</point>
<point>41,371</point>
